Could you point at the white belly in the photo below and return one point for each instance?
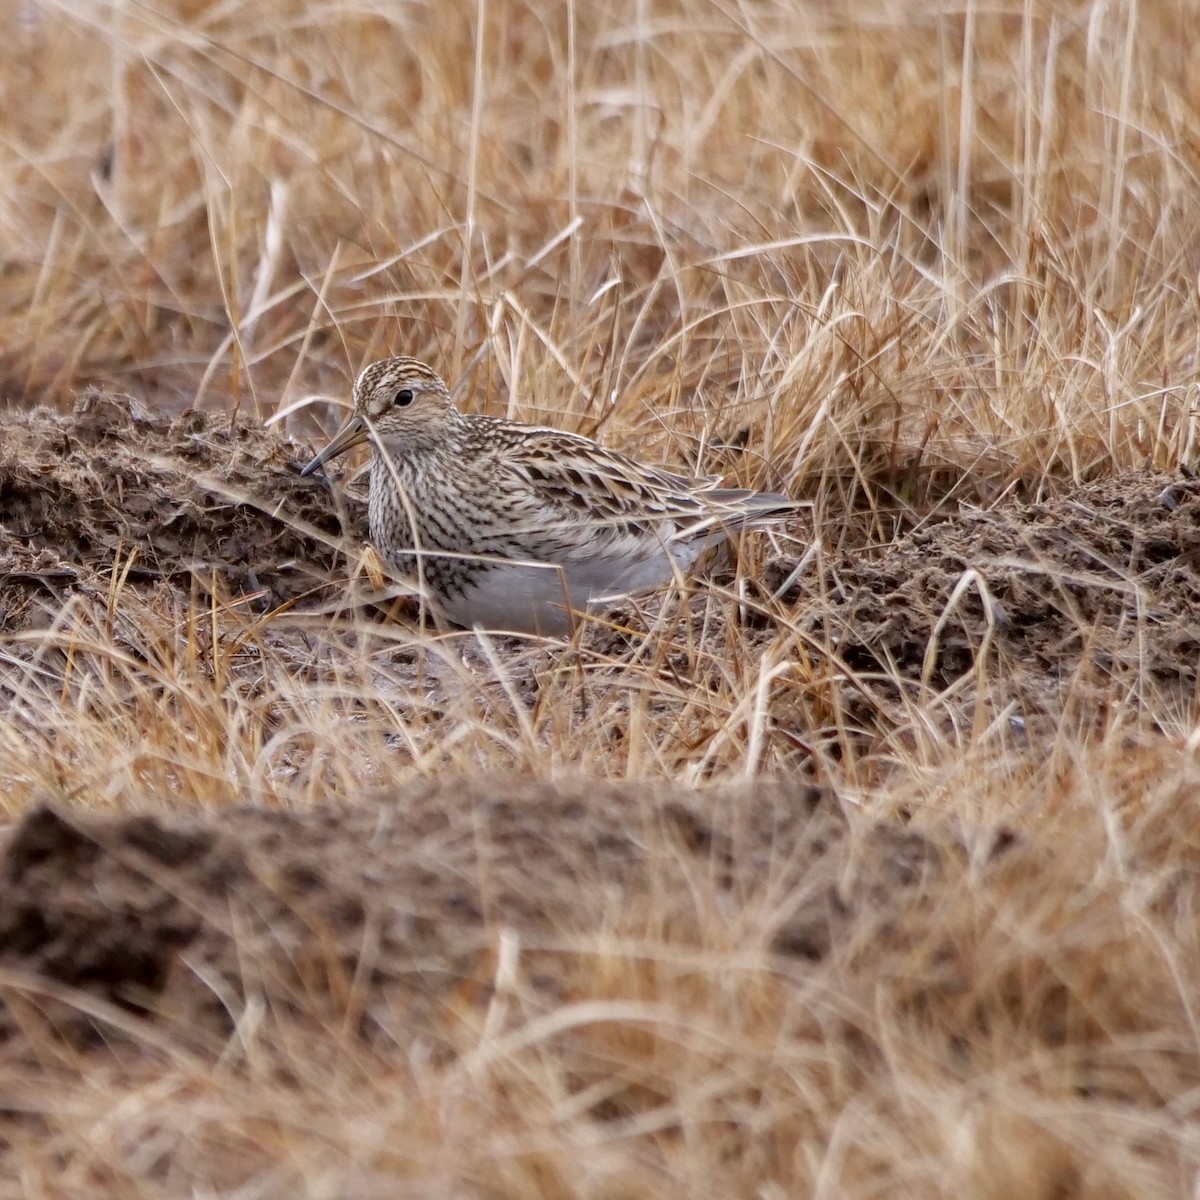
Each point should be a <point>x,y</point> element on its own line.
<point>531,598</point>
<point>517,599</point>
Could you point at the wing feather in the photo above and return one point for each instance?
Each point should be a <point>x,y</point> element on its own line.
<point>569,481</point>
<point>593,482</point>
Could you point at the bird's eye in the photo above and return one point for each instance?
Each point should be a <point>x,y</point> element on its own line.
<point>404,397</point>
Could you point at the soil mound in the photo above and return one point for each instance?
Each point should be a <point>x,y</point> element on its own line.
<point>114,488</point>
<point>1096,590</point>
<point>391,909</point>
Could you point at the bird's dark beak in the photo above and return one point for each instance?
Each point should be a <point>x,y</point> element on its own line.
<point>353,433</point>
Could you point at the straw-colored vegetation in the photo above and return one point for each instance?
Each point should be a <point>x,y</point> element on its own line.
<point>906,260</point>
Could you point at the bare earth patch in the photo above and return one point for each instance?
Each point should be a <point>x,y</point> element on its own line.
<point>164,499</point>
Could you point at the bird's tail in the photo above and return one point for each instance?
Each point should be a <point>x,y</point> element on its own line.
<point>740,508</point>
<point>730,510</point>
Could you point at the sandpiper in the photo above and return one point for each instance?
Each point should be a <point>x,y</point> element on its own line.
<point>520,528</point>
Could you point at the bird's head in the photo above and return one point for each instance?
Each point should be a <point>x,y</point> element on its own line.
<point>401,405</point>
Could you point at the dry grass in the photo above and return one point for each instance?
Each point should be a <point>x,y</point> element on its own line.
<point>888,255</point>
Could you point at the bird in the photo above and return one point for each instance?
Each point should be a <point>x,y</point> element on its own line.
<point>519,528</point>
